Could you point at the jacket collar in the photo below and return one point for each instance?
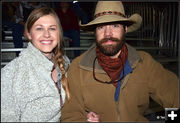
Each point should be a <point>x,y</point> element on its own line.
<point>37,57</point>
<point>89,56</point>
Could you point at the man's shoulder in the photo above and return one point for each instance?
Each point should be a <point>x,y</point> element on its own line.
<point>147,58</point>
<point>145,55</point>
<point>78,59</point>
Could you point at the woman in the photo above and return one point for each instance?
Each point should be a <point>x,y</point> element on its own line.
<point>34,85</point>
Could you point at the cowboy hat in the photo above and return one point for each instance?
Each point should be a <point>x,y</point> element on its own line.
<point>110,12</point>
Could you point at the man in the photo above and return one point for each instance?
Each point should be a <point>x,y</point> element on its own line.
<point>112,79</point>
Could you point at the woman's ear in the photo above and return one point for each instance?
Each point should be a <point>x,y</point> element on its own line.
<point>28,35</point>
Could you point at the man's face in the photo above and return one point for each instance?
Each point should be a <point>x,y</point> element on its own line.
<point>110,38</point>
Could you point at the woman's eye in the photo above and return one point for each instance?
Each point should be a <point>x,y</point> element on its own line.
<point>53,29</point>
<point>39,28</point>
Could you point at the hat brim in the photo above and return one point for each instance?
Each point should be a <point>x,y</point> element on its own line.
<point>133,22</point>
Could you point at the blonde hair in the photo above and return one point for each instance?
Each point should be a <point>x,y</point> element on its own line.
<point>58,50</point>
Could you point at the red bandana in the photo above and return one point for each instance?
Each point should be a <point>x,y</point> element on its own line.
<point>113,67</point>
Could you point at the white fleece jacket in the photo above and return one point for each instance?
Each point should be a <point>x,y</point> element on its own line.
<point>28,93</point>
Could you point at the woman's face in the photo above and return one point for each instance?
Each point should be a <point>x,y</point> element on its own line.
<point>44,34</point>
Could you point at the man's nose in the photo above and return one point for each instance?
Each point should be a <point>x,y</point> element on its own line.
<point>108,32</point>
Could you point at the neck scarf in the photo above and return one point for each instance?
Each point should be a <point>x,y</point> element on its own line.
<point>113,66</point>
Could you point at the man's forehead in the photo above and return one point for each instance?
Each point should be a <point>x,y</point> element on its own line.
<point>105,24</point>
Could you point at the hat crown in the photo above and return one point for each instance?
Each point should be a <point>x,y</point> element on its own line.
<point>114,6</point>
<point>113,11</point>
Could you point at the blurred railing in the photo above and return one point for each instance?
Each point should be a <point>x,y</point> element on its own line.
<point>160,22</point>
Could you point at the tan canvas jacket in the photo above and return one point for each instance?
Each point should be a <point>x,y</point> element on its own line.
<point>148,79</point>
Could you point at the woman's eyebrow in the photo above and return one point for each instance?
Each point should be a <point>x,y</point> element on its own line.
<point>43,25</point>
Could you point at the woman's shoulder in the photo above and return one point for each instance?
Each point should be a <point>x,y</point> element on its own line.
<point>66,61</point>
<point>14,65</point>
<point>66,58</point>
<point>13,72</point>
<point>17,64</point>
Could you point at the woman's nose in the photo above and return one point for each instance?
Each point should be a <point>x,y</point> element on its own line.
<point>46,33</point>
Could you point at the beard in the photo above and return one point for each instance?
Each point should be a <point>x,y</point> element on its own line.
<point>113,49</point>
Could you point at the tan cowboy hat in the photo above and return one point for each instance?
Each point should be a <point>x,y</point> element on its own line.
<point>112,11</point>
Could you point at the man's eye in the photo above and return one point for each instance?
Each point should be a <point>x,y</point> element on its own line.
<point>115,25</point>
<point>100,27</point>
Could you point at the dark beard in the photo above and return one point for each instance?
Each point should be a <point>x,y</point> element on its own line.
<point>110,50</point>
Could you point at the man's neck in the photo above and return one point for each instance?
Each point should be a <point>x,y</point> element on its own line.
<point>116,56</point>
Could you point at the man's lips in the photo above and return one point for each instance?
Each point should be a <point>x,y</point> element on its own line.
<point>109,42</point>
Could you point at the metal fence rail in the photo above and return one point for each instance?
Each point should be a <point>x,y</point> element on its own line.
<point>20,49</point>
<point>162,60</point>
<point>83,48</point>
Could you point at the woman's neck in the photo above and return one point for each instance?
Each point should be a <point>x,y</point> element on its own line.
<point>48,55</point>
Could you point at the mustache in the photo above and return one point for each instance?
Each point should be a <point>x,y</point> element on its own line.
<point>106,39</point>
